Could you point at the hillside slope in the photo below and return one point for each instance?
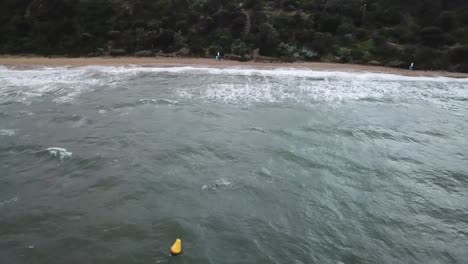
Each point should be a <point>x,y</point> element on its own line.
<point>431,33</point>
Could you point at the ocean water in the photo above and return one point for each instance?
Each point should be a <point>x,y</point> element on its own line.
<point>112,164</point>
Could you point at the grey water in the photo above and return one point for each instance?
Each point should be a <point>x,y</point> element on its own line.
<point>112,164</point>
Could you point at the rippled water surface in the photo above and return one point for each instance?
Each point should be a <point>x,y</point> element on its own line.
<point>111,164</point>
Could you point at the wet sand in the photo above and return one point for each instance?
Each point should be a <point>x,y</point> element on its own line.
<point>205,62</point>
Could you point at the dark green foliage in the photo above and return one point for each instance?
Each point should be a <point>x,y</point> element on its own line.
<point>459,54</point>
<point>165,39</point>
<point>433,34</point>
<point>267,39</point>
<point>328,23</point>
<point>432,59</point>
<point>240,48</point>
<point>447,20</point>
<point>322,43</point>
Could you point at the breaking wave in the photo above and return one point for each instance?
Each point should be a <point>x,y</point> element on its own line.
<point>7,132</point>
<point>60,153</point>
<point>66,84</point>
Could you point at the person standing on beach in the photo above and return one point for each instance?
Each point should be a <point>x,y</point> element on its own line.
<point>411,66</point>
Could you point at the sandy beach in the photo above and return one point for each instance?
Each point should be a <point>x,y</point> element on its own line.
<point>205,62</point>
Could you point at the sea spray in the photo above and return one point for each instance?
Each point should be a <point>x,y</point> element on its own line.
<point>60,153</point>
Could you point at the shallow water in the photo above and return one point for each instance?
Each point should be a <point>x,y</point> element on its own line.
<point>111,164</point>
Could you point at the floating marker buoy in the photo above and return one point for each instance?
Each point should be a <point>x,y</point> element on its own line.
<point>176,248</point>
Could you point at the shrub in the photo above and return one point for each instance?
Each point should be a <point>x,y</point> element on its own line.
<point>289,51</point>
<point>322,43</point>
<point>361,34</point>
<point>329,23</point>
<point>345,28</point>
<point>165,38</point>
<point>238,47</point>
<point>117,52</point>
<point>432,36</point>
<point>267,39</point>
<point>179,40</point>
<point>308,54</point>
<point>144,53</point>
<point>459,54</point>
<point>430,59</point>
<point>344,55</point>
<point>447,20</point>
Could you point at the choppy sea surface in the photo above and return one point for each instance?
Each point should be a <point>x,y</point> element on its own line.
<point>111,164</point>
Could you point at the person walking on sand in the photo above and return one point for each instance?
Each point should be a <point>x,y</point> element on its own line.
<point>217,56</point>
<point>411,66</point>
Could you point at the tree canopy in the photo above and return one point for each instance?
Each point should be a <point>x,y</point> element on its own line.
<point>431,33</point>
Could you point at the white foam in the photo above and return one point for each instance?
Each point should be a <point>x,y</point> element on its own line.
<point>65,84</point>
<point>263,89</point>
<point>148,101</point>
<point>61,153</point>
<point>218,183</point>
<point>7,132</point>
<point>168,101</point>
<point>12,200</point>
<point>46,75</point>
<point>279,72</point>
<point>158,101</point>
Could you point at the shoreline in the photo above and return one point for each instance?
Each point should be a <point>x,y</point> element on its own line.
<point>31,61</point>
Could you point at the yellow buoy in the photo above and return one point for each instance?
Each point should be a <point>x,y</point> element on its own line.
<point>176,248</point>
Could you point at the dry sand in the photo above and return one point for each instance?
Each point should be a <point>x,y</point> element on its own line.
<point>203,62</point>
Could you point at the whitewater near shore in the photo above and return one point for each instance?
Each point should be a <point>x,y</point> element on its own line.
<point>16,61</point>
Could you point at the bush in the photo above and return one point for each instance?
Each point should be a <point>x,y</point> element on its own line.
<point>357,55</point>
<point>308,54</point>
<point>290,52</point>
<point>430,59</point>
<point>432,36</point>
<point>290,5</point>
<point>396,64</point>
<point>329,23</point>
<point>459,54</point>
<point>237,26</point>
<point>361,34</point>
<point>322,43</point>
<point>462,67</point>
<point>153,24</point>
<point>117,52</point>
<point>240,48</point>
<point>267,39</point>
<point>179,41</point>
<point>144,53</point>
<point>447,21</point>
<point>344,55</point>
<point>385,50</point>
<point>113,34</point>
<point>213,50</point>
<point>165,38</point>
<point>345,28</point>
<point>408,54</point>
<point>183,52</point>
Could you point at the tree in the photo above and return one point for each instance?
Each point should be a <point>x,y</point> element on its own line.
<point>447,21</point>
<point>322,43</point>
<point>240,48</point>
<point>328,23</point>
<point>432,36</point>
<point>267,39</point>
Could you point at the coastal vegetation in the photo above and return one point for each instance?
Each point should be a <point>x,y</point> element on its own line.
<point>431,33</point>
